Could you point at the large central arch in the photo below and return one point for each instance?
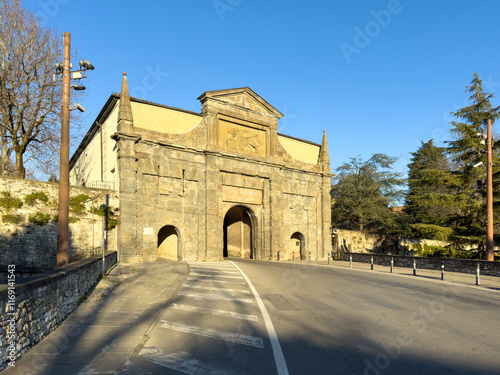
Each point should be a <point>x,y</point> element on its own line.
<point>239,230</point>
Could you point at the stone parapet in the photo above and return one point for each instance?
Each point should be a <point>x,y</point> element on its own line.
<point>42,303</point>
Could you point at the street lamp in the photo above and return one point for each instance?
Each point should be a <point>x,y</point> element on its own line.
<point>63,218</point>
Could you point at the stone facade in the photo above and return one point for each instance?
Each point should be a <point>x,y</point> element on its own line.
<point>32,247</point>
<point>226,187</point>
<point>40,305</point>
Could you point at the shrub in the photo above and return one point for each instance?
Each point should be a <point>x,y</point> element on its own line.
<point>12,219</point>
<point>40,218</point>
<point>8,202</point>
<point>31,199</point>
<point>77,204</point>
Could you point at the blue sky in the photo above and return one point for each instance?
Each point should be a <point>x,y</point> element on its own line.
<point>378,76</point>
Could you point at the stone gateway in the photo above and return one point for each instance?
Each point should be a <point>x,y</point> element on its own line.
<point>223,183</point>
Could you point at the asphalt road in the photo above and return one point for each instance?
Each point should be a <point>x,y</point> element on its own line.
<point>323,320</point>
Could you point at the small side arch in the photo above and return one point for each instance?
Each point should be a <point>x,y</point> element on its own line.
<point>297,245</point>
<point>169,243</point>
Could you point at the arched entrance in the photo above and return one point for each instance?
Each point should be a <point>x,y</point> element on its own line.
<point>297,245</point>
<point>168,243</point>
<point>238,233</point>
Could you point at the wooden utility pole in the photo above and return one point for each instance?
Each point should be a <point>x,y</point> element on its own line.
<point>63,218</point>
<point>490,253</point>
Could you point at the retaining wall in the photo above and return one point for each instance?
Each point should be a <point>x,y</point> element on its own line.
<point>32,247</point>
<point>40,305</point>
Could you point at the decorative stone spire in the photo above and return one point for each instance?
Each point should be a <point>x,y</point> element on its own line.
<point>125,111</point>
<point>324,157</point>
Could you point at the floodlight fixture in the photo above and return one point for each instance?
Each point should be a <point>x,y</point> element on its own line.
<point>77,87</point>
<point>86,65</point>
<point>478,164</point>
<point>77,106</point>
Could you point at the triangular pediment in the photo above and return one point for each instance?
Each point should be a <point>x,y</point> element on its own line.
<point>243,98</point>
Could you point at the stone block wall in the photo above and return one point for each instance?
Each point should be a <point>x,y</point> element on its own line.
<point>40,305</point>
<point>32,247</point>
<point>451,265</point>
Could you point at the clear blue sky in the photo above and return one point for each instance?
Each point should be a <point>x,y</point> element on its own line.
<point>378,76</point>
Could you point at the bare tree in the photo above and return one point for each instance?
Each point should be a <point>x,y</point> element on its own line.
<point>30,99</point>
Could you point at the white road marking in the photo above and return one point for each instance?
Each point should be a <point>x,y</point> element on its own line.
<point>203,310</point>
<point>214,297</point>
<point>182,362</point>
<point>212,265</point>
<point>236,338</point>
<point>202,269</point>
<point>216,289</point>
<point>275,344</point>
<point>224,282</point>
<point>214,276</point>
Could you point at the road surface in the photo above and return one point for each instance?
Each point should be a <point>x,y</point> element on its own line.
<point>252,317</point>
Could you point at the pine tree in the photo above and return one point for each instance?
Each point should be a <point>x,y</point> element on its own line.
<point>363,193</point>
<point>467,152</point>
<point>433,199</point>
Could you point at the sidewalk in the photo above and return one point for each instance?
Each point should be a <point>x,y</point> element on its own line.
<point>101,334</point>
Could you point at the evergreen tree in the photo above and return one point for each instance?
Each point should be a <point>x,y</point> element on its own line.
<point>433,200</point>
<point>467,152</point>
<point>363,193</point>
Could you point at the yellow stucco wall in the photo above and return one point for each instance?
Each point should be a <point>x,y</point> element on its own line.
<point>87,168</point>
<point>163,120</point>
<point>302,151</point>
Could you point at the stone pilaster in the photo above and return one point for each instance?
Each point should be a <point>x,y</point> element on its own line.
<point>214,217</point>
<point>128,199</point>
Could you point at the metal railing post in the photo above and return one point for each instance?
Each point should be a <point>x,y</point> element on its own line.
<point>478,271</point>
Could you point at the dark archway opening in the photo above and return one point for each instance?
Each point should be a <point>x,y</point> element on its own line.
<point>297,243</point>
<point>238,234</point>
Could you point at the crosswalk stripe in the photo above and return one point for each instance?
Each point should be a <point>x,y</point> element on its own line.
<point>212,265</point>
<point>203,310</point>
<point>236,338</point>
<point>198,269</point>
<point>217,289</point>
<point>224,282</point>
<point>205,275</point>
<point>182,362</point>
<point>214,297</point>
